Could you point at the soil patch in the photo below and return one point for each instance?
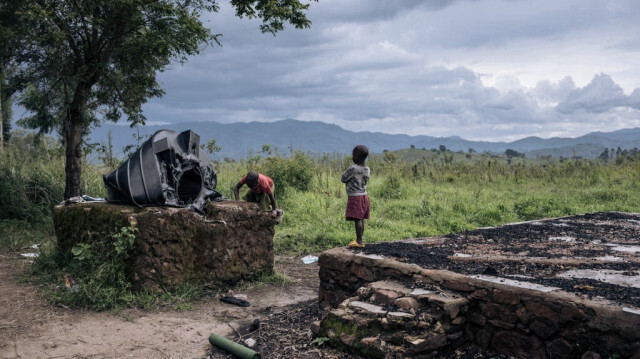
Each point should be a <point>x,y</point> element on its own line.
<point>32,328</point>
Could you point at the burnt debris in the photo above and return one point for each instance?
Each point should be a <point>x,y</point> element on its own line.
<point>169,169</point>
<point>537,252</point>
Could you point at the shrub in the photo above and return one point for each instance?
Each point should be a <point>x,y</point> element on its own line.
<point>392,187</point>
<point>31,179</point>
<point>293,172</point>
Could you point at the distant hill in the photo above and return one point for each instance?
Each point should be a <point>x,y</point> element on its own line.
<point>238,139</point>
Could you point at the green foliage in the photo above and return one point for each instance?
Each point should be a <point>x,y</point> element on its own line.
<point>425,197</point>
<point>293,172</point>
<point>100,279</point>
<point>73,61</point>
<point>393,187</point>
<point>534,208</point>
<point>95,277</point>
<point>433,197</point>
<point>319,341</point>
<point>18,234</point>
<point>31,178</point>
<point>213,147</point>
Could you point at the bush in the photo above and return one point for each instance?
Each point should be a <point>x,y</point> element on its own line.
<point>31,179</point>
<point>293,172</point>
<point>392,187</point>
<point>28,194</point>
<point>97,274</point>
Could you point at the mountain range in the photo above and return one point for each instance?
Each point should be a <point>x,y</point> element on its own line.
<point>240,139</point>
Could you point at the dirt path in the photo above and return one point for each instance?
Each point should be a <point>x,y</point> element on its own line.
<point>31,328</point>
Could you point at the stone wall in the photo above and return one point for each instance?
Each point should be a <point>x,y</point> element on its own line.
<point>232,241</point>
<point>383,306</point>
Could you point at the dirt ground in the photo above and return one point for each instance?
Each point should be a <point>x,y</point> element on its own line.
<point>32,328</point>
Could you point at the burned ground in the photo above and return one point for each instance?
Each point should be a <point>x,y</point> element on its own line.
<point>537,252</point>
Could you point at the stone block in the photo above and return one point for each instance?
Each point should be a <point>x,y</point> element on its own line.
<point>481,294</point>
<point>500,312</point>
<point>518,345</point>
<point>458,285</point>
<point>559,348</point>
<point>368,308</point>
<point>232,241</point>
<point>391,285</point>
<point>543,328</point>
<point>501,324</point>
<point>384,296</point>
<point>362,272</point>
<point>406,303</point>
<point>347,339</point>
<point>547,310</point>
<point>315,327</point>
<point>400,315</point>
<point>428,344</point>
<point>505,297</point>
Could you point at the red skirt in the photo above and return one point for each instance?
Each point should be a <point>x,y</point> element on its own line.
<point>357,207</point>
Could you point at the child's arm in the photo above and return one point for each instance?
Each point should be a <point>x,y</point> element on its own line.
<point>367,173</point>
<point>346,176</point>
<point>272,198</point>
<point>236,190</point>
<point>274,206</point>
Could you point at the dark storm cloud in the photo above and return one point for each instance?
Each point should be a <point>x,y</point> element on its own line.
<point>486,69</point>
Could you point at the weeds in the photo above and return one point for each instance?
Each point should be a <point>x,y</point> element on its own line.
<point>17,234</point>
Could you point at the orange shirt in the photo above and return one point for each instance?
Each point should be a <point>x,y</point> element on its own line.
<point>265,184</point>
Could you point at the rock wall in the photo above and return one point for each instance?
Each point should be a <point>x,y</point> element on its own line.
<point>232,241</point>
<point>383,306</point>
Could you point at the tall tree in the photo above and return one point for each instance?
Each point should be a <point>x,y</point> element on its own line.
<point>86,61</point>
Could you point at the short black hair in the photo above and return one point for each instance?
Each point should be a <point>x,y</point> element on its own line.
<point>360,153</point>
<point>252,178</point>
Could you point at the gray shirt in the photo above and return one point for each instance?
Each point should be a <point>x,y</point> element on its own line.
<point>356,178</point>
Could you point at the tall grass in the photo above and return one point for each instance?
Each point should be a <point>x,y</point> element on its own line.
<point>413,194</point>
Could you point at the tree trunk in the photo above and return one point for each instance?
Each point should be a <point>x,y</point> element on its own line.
<point>1,114</point>
<point>73,142</point>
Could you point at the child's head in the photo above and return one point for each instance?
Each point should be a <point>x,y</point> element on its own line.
<point>252,179</point>
<point>360,153</point>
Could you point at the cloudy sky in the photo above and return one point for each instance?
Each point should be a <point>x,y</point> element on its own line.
<point>495,70</point>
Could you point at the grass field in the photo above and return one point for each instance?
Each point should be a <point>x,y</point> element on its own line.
<point>414,193</point>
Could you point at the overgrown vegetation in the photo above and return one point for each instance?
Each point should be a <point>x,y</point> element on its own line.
<point>414,193</point>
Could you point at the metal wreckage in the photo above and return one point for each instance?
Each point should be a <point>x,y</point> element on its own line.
<point>168,169</point>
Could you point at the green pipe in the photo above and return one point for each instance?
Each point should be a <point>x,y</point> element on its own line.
<point>234,348</point>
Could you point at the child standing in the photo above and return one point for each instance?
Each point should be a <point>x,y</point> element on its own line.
<point>355,179</point>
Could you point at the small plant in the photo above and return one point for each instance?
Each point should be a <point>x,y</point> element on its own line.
<point>184,306</point>
<point>99,273</point>
<point>319,341</point>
